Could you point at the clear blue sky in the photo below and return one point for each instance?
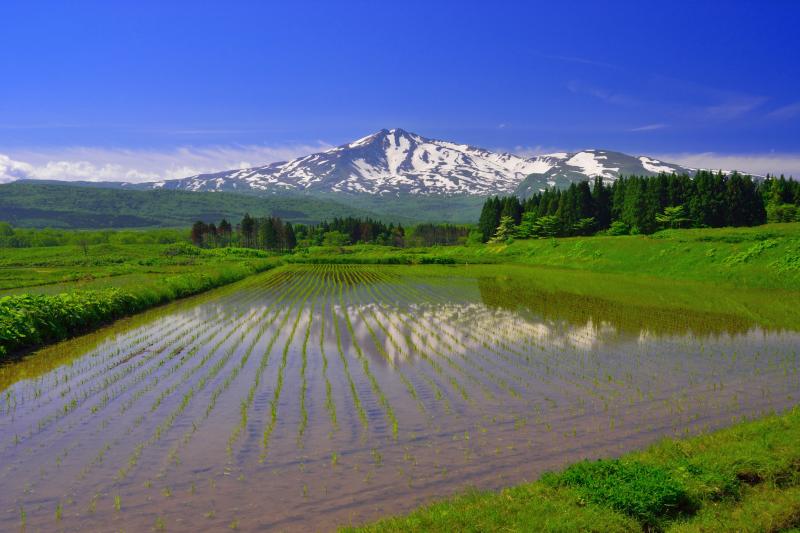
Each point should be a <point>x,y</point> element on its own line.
<point>666,78</point>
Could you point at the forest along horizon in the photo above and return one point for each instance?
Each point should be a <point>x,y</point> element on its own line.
<point>312,396</point>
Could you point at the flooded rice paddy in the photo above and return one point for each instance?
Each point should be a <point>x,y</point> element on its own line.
<point>317,396</point>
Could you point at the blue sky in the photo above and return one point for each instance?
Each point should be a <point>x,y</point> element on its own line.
<point>137,90</point>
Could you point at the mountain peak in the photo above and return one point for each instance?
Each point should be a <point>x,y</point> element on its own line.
<point>395,161</point>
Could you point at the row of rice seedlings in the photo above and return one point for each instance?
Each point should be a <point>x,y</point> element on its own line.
<point>301,428</point>
<point>124,372</point>
<point>452,341</point>
<point>385,293</point>
<point>357,404</point>
<point>293,292</point>
<point>266,322</point>
<point>358,304</point>
<point>273,419</point>
<point>99,457</point>
<point>130,345</point>
<point>381,323</point>
<point>330,405</point>
<point>341,279</point>
<point>170,389</point>
<point>107,446</point>
<point>186,400</point>
<point>71,405</point>
<point>105,352</point>
<point>59,411</point>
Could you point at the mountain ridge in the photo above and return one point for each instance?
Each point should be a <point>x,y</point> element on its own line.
<point>395,161</point>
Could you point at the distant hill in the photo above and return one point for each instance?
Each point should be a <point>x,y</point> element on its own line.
<point>30,204</point>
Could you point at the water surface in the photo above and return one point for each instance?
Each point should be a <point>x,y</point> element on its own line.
<point>319,396</point>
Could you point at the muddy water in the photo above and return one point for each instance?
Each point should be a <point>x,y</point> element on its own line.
<point>322,396</point>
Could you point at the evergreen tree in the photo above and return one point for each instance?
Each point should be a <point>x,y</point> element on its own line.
<point>505,230</point>
<point>291,239</point>
<point>248,229</point>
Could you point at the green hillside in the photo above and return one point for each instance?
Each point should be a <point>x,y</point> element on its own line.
<point>83,205</point>
<point>72,206</point>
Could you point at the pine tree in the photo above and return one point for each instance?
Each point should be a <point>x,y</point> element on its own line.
<point>505,230</point>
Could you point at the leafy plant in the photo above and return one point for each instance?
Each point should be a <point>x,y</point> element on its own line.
<point>648,493</point>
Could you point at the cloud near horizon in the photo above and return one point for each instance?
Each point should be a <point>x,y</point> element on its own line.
<point>760,164</point>
<point>140,165</point>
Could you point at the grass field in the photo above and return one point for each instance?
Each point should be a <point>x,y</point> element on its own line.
<point>759,257</point>
<point>52,293</point>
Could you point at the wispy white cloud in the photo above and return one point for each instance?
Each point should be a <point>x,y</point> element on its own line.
<point>786,112</point>
<point>649,127</point>
<point>755,163</point>
<point>578,87</point>
<point>530,151</point>
<point>734,107</point>
<point>111,164</point>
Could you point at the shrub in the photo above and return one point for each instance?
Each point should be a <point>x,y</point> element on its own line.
<point>648,493</point>
<point>618,228</point>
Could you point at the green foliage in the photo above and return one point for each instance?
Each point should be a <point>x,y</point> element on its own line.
<point>783,213</point>
<point>641,204</point>
<point>11,237</point>
<point>673,217</point>
<point>38,205</point>
<point>754,251</point>
<point>649,494</point>
<point>28,320</point>
<point>504,231</point>
<point>618,227</point>
<point>335,238</point>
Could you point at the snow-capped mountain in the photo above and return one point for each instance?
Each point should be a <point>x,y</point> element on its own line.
<point>395,161</point>
<point>386,162</point>
<point>561,169</point>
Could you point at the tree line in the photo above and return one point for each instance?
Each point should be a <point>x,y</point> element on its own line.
<point>272,233</point>
<point>639,204</point>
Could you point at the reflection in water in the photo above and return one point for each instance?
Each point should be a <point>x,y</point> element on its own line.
<point>316,396</point>
<point>580,310</point>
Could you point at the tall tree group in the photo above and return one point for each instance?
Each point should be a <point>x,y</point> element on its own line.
<point>638,204</point>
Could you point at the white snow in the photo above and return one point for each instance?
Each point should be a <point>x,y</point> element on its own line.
<point>590,165</point>
<point>654,165</point>
<point>398,161</point>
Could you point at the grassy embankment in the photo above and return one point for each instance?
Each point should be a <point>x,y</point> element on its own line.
<point>760,257</point>
<point>54,293</point>
<point>743,478</point>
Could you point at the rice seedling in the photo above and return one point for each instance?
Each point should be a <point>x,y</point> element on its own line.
<point>479,379</point>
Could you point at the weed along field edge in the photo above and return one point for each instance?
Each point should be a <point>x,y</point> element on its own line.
<point>313,395</point>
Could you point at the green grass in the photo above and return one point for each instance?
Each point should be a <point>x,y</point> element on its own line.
<point>760,257</point>
<point>54,269</point>
<point>61,293</point>
<point>743,478</point>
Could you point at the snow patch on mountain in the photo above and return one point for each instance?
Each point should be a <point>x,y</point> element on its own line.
<point>392,162</point>
<point>387,162</point>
